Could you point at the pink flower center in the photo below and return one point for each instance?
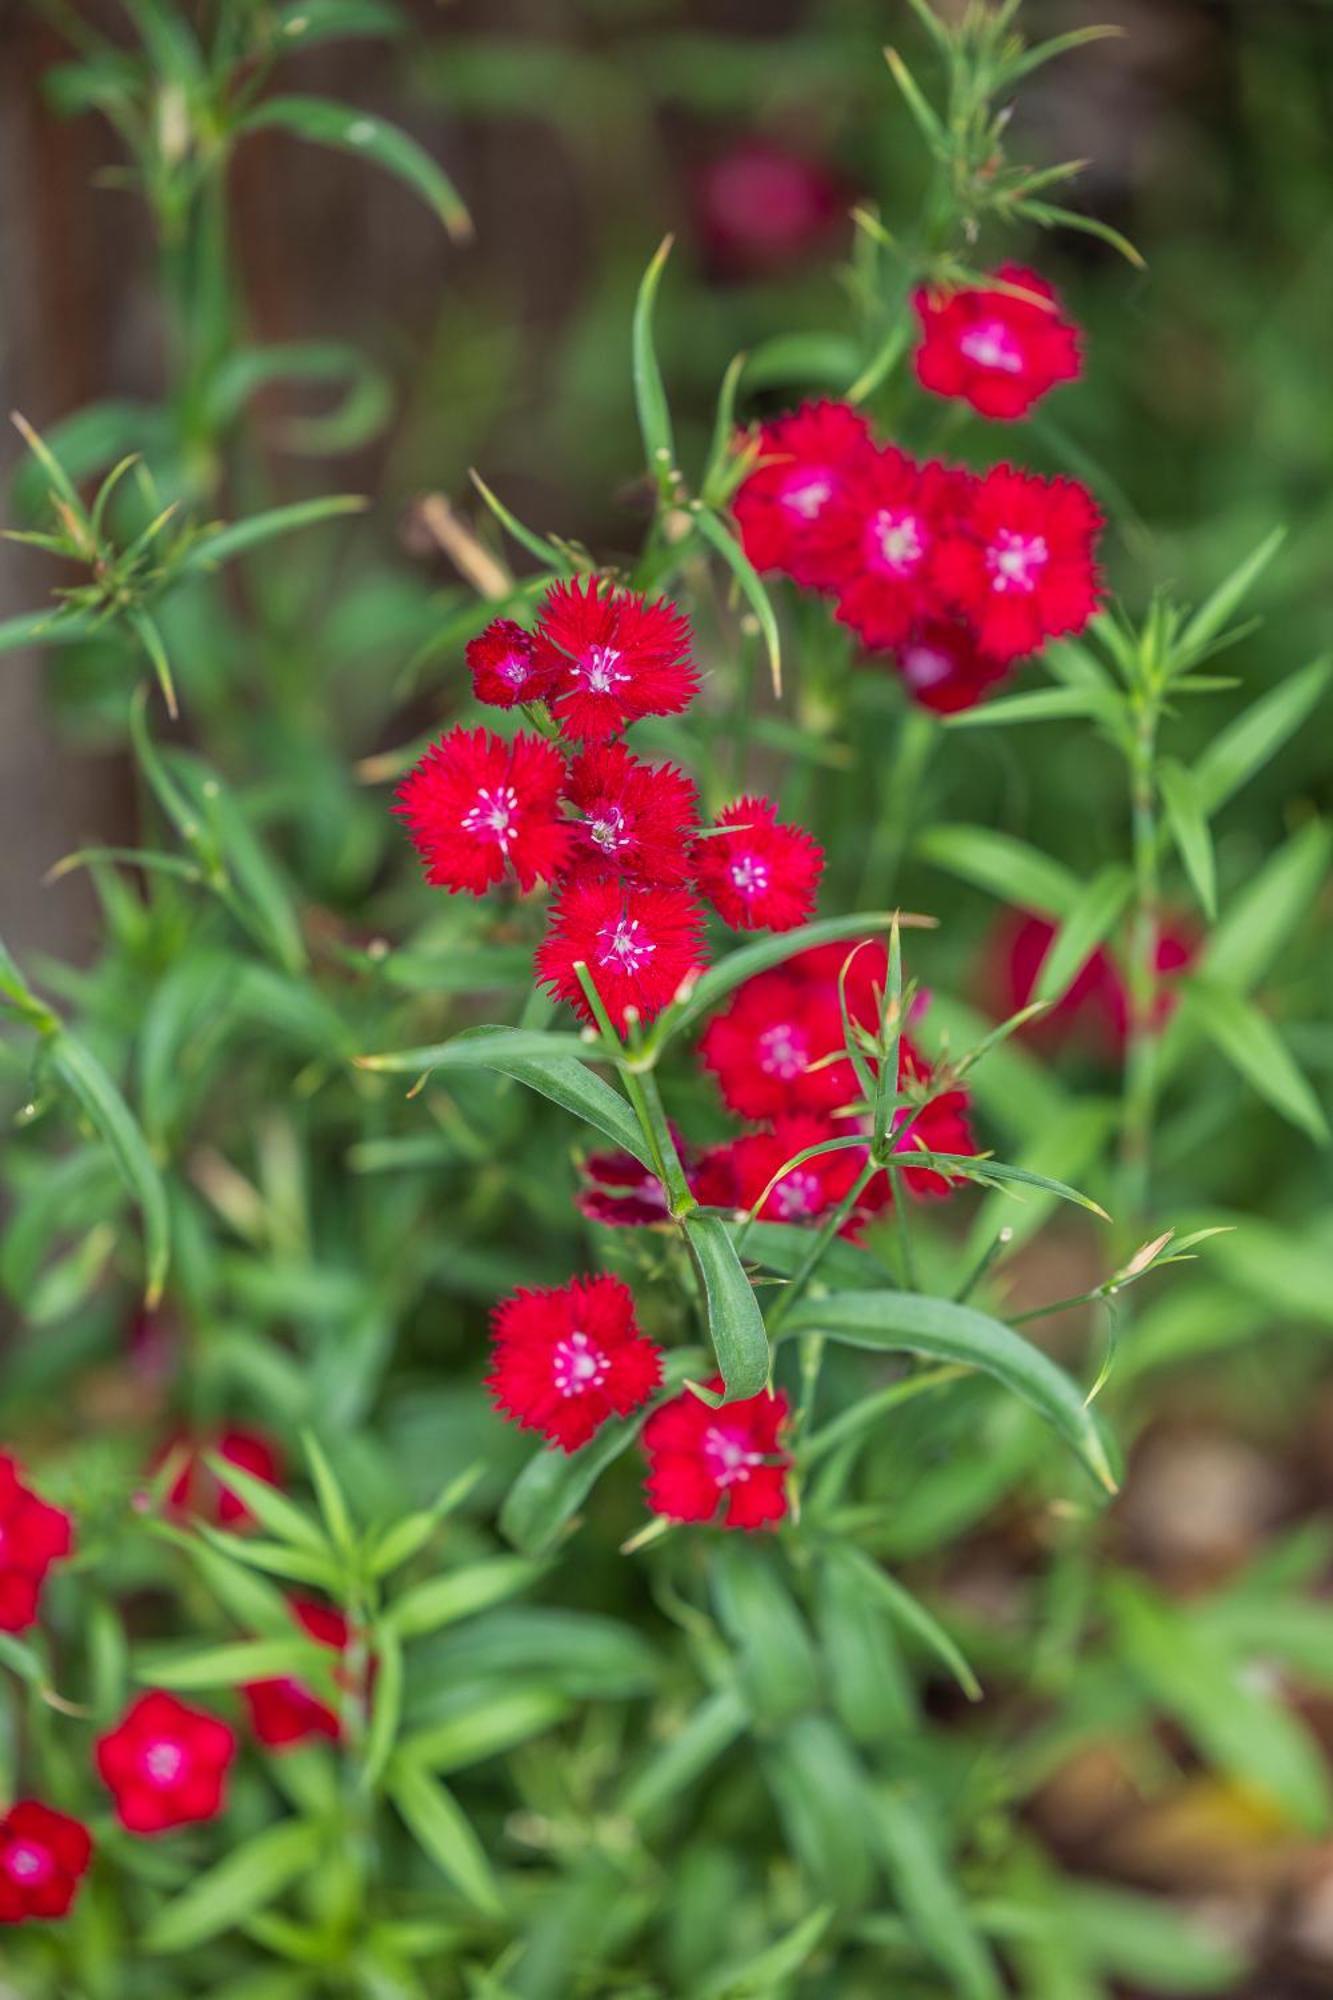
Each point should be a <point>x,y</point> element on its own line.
<point>750,875</point>
<point>26,1863</point>
<point>608,830</point>
<point>925,666</point>
<point>624,945</point>
<point>783,1052</point>
<point>798,1193</point>
<point>514,668</point>
<point>599,670</point>
<point>578,1365</point>
<point>492,817</point>
<point>992,345</point>
<point>727,1457</point>
<point>807,494</point>
<point>897,541</point>
<point>1016,561</point>
<point>163,1762</point>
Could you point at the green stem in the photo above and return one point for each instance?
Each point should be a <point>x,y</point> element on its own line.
<point>1140,1085</point>
<point>819,1243</point>
<point>912,752</point>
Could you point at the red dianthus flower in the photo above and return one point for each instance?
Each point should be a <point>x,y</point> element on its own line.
<point>759,874</point>
<point>805,463</point>
<point>165,1764</point>
<point>636,820</point>
<point>477,806</point>
<point>613,657</point>
<point>942,669</point>
<point>999,352</point>
<point>33,1535</point>
<point>508,666</point>
<point>1095,1005</point>
<point>285,1711</point>
<point>567,1357</point>
<point>639,945</point>
<point>804,1192</point>
<point>703,1461</point>
<point>881,541</point>
<point>43,1854</point>
<point>197,1490</point>
<point>1020,569</point>
<point>759,207</point>
<point>777,1046</point>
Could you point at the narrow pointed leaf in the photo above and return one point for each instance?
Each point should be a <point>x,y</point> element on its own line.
<point>370,138</point>
<point>735,1322</point>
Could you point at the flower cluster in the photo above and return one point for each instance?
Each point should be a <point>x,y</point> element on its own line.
<point>953,574</point>
<point>617,838</point>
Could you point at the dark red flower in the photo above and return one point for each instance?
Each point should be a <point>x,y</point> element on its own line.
<point>197,1490</point>
<point>639,945</point>
<point>621,1193</point>
<point>942,669</point>
<point>803,466</point>
<point>165,1764</point>
<point>702,1460</point>
<point>565,1358</point>
<point>477,807</point>
<point>1021,567</point>
<point>636,820</point>
<point>940,1126</point>
<point>880,542</point>
<point>43,1854</point>
<point>285,1712</point>
<point>759,874</point>
<point>760,207</point>
<point>1095,1006</point>
<point>33,1535</point>
<point>507,665</point>
<point>999,352</point>
<point>616,657</point>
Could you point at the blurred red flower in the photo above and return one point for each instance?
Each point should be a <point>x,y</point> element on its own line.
<point>165,1764</point>
<point>997,351</point>
<point>43,1854</point>
<point>33,1535</point>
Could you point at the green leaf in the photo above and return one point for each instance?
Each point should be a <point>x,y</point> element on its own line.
<point>1215,611</point>
<point>930,1897</point>
<point>1250,1736</point>
<point>820,1793</point>
<point>1095,913</point>
<point>1018,874</point>
<point>696,1745</point>
<point>763,1973</point>
<point>650,398</point>
<point>386,1703</point>
<point>548,554</point>
<point>302,23</point>
<point>1048,217</point>
<point>459,1593</point>
<point>437,1824</point>
<point>1064,1146</point>
<point>220,545</point>
<point>271,1508</point>
<point>1255,1050</point>
<point>909,1322</point>
<point>931,129</point>
<point>83,1075</point>
<point>1247,744</point>
<point>483,1048</point>
<point>872,1692</point>
<point>1268,911</point>
<point>554,1484</point>
<point>738,966</point>
<point>252,1876</point>
<point>1041,705</point>
<point>361,413</point>
<point>719,538</point>
<point>755,1608</point>
<point>486,1728</point>
<point>913,1616</point>
<point>227,1666</point>
<point>1189,829</point>
<point>371,138</point>
<point>817,360</point>
<point>735,1323</point>
<point>998,1173</point>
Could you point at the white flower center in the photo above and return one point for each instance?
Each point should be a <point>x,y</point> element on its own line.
<point>897,541</point>
<point>163,1762</point>
<point>599,669</point>
<point>750,874</point>
<point>1015,561</point>
<point>578,1366</point>
<point>25,1863</point>
<point>798,1193</point>
<point>493,815</point>
<point>624,945</point>
<point>993,346</point>
<point>808,494</point>
<point>607,830</point>
<point>513,668</point>
<point>727,1458</point>
<point>783,1052</point>
<point>924,666</point>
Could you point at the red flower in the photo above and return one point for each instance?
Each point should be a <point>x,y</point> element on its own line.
<point>284,1712</point>
<point>880,542</point>
<point>1000,353</point>
<point>614,657</point>
<point>777,1046</point>
<point>507,665</point>
<point>568,1357</point>
<point>702,1460</point>
<point>639,945</point>
<point>1095,1006</point>
<point>941,1126</point>
<point>1021,568</point>
<point>43,1854</point>
<point>621,1193</point>
<point>196,1490</point>
<point>805,462</point>
<point>165,1764</point>
<point>761,876</point>
<point>807,1191</point>
<point>942,668</point>
<point>759,207</point>
<point>476,806</point>
<point>636,820</point>
<point>33,1535</point>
